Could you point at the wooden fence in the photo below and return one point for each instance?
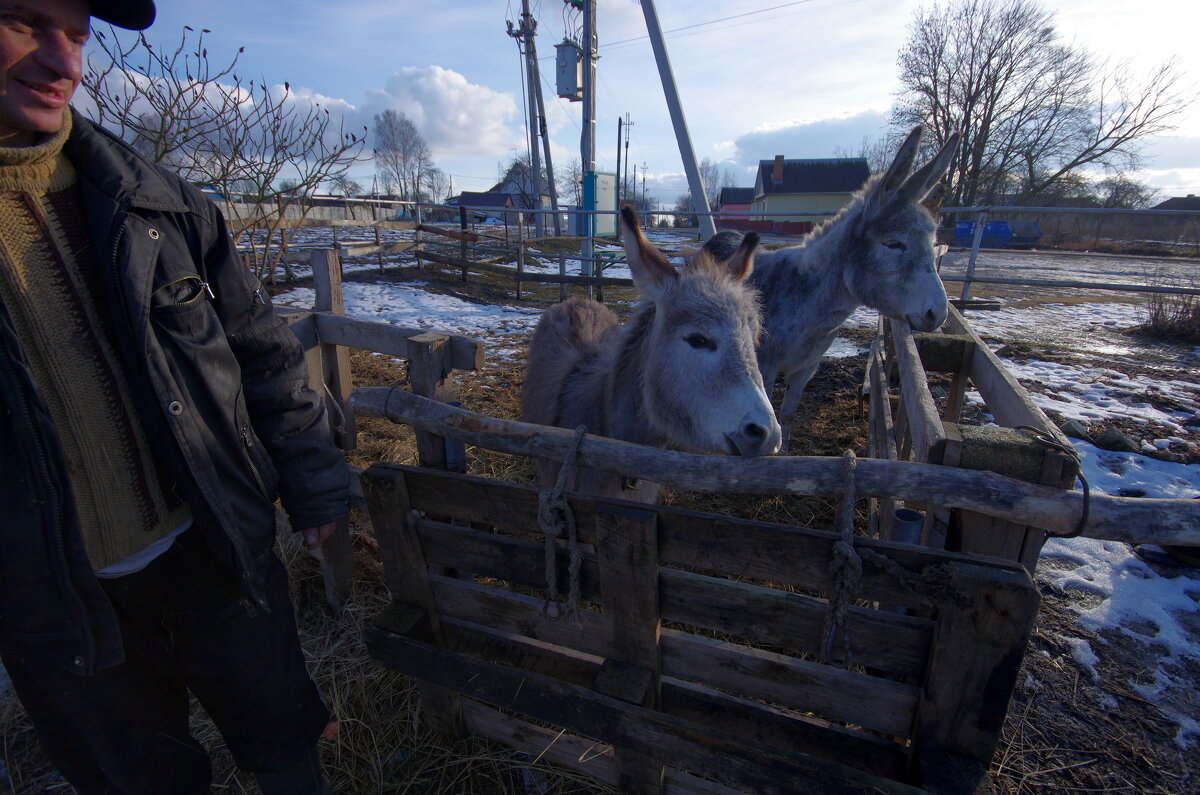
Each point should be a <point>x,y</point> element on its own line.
<point>713,654</point>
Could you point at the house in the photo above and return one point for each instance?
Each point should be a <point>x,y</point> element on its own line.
<point>1189,202</point>
<point>817,186</point>
<point>734,204</point>
<point>489,204</point>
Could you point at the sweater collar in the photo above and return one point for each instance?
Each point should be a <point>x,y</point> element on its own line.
<point>37,168</point>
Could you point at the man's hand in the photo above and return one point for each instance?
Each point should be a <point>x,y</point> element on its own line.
<point>315,536</point>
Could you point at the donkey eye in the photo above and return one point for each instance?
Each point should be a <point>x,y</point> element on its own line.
<point>896,245</point>
<point>699,341</point>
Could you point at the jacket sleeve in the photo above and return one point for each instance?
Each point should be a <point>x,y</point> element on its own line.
<point>287,415</point>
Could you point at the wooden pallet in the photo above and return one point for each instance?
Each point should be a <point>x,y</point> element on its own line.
<point>907,423</point>
<point>697,666</point>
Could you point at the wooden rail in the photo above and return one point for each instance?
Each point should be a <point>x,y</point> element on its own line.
<point>1127,519</point>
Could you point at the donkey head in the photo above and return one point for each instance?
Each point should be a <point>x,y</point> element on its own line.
<point>895,238</point>
<point>699,378</point>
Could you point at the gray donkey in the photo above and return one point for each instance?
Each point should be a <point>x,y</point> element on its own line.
<point>680,374</point>
<point>878,252</point>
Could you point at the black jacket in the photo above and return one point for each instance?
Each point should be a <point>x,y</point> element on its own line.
<point>219,381</point>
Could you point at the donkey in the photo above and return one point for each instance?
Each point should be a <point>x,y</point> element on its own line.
<point>878,251</point>
<point>680,374</point>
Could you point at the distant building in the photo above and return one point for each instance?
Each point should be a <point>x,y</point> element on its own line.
<point>489,204</point>
<point>817,186</point>
<point>1189,202</point>
<point>734,204</point>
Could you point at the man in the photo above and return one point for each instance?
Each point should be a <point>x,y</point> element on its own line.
<point>153,407</point>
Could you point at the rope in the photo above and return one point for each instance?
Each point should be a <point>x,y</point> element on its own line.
<point>554,514</point>
<point>845,570</point>
<point>1073,454</point>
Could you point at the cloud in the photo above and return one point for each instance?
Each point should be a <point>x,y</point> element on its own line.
<point>456,117</point>
<point>1170,151</point>
<point>824,138</point>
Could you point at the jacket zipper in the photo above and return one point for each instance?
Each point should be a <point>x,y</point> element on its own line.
<point>201,284</point>
<point>248,443</point>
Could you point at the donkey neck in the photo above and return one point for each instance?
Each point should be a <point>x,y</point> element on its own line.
<point>625,415</point>
<point>830,251</point>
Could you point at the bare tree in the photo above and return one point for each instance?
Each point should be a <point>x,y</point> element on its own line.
<point>342,185</point>
<point>714,178</point>
<point>261,143</point>
<point>1031,110</point>
<point>402,156</point>
<point>1124,192</point>
<point>570,182</point>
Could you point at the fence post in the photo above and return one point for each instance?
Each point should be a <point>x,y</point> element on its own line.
<point>975,241</point>
<point>428,375</point>
<point>337,561</point>
<point>462,224</point>
<point>562,271</point>
<point>418,237</point>
<point>520,251</point>
<point>378,243</point>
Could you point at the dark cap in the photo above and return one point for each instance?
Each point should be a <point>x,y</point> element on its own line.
<point>130,14</point>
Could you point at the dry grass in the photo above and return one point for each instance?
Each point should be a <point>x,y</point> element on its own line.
<point>1173,317</point>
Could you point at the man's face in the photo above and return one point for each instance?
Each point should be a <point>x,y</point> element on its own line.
<point>41,62</point>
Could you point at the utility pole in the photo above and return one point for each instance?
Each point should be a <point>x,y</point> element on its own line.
<point>645,201</point>
<point>620,121</point>
<point>688,155</point>
<point>625,176</point>
<point>588,136</point>
<point>524,34</point>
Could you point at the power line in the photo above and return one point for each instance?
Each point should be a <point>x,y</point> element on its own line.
<point>709,22</point>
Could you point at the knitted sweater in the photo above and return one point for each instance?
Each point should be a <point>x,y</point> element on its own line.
<point>50,286</point>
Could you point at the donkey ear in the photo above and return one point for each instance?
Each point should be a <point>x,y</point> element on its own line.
<point>897,172</point>
<point>741,262</point>
<point>918,186</point>
<point>652,272</point>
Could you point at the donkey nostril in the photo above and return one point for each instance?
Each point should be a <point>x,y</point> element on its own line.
<point>756,432</point>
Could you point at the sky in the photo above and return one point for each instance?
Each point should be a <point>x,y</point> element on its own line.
<point>756,78</point>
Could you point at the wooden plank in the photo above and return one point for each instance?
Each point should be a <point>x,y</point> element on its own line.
<point>327,286</point>
<point>370,335</point>
<point>571,751</point>
<point>879,640</point>
<point>407,580</point>
<point>749,718</point>
<point>832,693</point>
<point>708,753</point>
<point>924,424</point>
<point>379,249</point>
<point>303,324</point>
<point>973,666</point>
<point>627,554</point>
<point>455,234</point>
<point>784,728</point>
<point>519,614</point>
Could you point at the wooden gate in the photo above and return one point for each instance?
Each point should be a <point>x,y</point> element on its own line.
<point>698,661</point>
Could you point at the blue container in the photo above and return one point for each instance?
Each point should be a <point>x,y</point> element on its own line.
<point>999,234</point>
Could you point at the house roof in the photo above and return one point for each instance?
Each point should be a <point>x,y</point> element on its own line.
<point>821,175</point>
<point>485,199</point>
<point>1189,202</point>
<point>736,196</point>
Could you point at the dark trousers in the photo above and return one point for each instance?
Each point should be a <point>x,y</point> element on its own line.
<point>186,625</point>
